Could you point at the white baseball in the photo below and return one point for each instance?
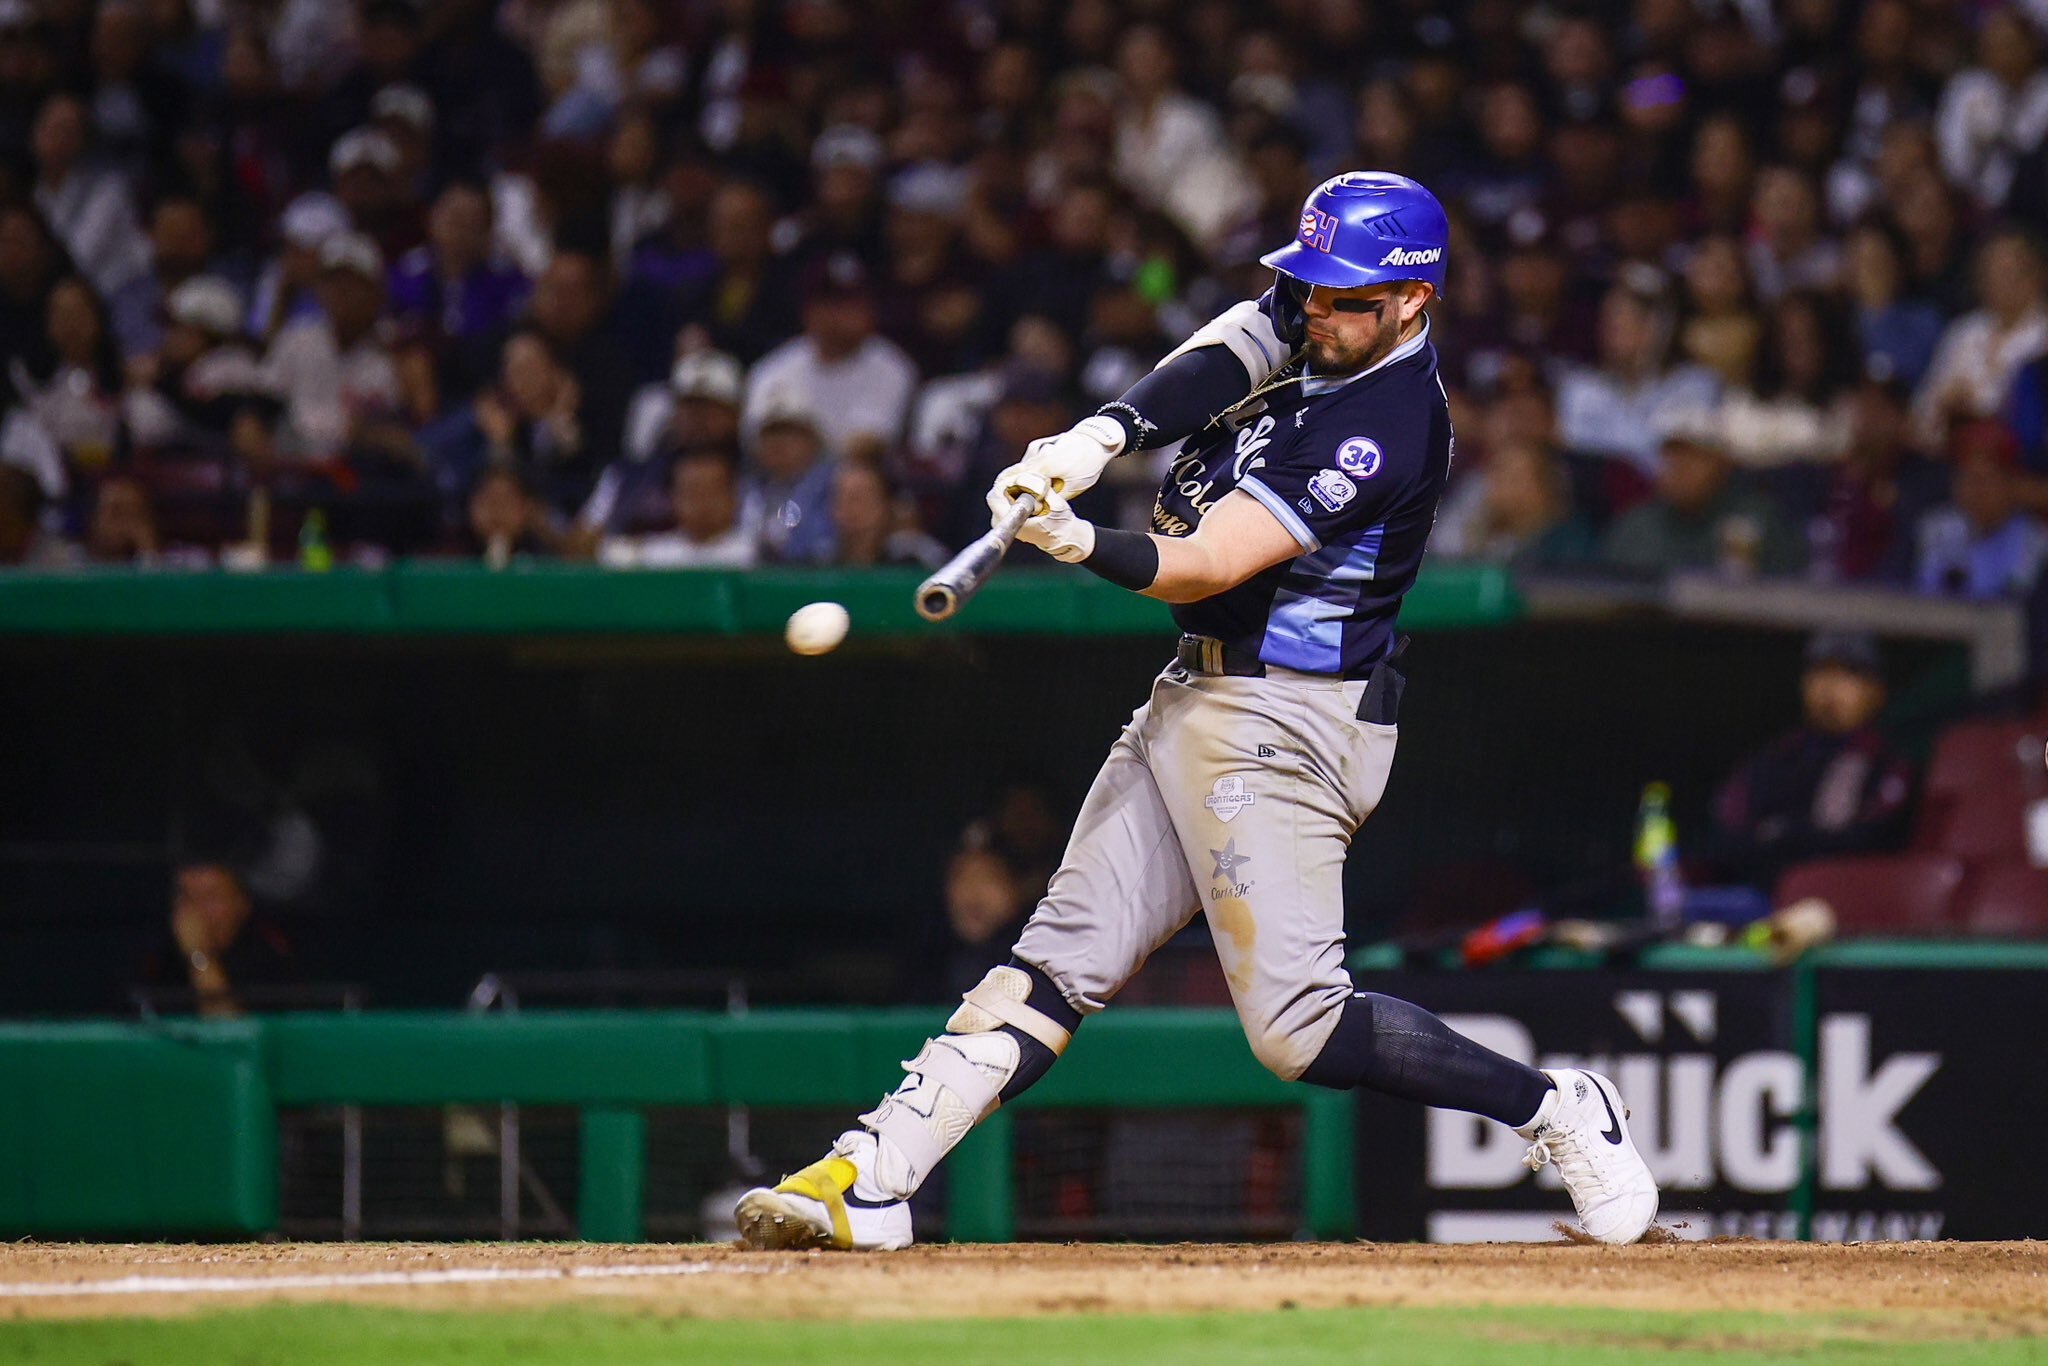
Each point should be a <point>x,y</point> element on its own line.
<point>816,628</point>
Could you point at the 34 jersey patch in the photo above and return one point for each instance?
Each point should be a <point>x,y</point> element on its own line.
<point>1360,457</point>
<point>1331,489</point>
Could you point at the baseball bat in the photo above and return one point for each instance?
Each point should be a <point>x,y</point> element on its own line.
<point>961,577</point>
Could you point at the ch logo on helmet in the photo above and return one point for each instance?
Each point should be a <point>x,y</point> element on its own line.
<point>1360,457</point>
<point>1318,229</point>
<point>1421,256</point>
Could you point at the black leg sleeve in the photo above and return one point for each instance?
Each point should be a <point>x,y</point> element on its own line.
<point>1391,1046</point>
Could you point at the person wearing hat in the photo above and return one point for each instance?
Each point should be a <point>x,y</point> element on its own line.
<point>698,407</point>
<point>1832,786</point>
<point>858,384</point>
<point>1698,517</point>
<point>333,371</point>
<point>284,290</point>
<point>788,490</point>
<point>367,172</point>
<point>203,365</point>
<point>1982,544</point>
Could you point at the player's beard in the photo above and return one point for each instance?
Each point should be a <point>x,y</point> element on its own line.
<point>1335,359</point>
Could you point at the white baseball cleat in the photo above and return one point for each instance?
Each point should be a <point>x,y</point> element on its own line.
<point>819,1207</point>
<point>1586,1133</point>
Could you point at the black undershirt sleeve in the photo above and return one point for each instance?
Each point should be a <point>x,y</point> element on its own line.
<point>1179,398</point>
<point>1128,559</point>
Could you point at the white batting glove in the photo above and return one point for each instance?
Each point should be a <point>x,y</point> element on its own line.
<point>1074,459</point>
<point>1056,530</point>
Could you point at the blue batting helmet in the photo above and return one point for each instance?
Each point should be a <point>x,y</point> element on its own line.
<point>1366,228</point>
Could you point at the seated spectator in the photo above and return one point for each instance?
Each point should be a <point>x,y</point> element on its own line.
<point>869,525</point>
<point>1877,494</point>
<point>88,207</point>
<point>452,293</point>
<point>1833,786</point>
<point>31,263</point>
<point>704,488</point>
<point>1699,518</point>
<point>859,384</point>
<point>364,166</point>
<point>1983,351</point>
<point>572,309</point>
<point>505,519</point>
<point>1789,248</point>
<point>1994,113</point>
<point>1722,330</point>
<point>73,383</point>
<point>204,367</point>
<point>287,286</point>
<point>745,300</point>
<point>1897,330</point>
<point>1514,510</point>
<point>1618,408</point>
<point>181,246</point>
<point>218,945</point>
<point>788,498</point>
<point>1982,545</point>
<point>124,529</point>
<point>530,420</point>
<point>25,543</point>
<point>983,909</point>
<point>1790,410</point>
<point>333,371</point>
<point>699,405</point>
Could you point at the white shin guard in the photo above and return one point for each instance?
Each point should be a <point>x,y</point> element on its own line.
<point>954,1082</point>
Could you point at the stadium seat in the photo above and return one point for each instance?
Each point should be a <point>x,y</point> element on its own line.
<point>2006,899</point>
<point>1972,755</point>
<point>1874,894</point>
<point>1988,822</point>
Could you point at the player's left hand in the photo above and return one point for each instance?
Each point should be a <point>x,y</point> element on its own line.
<point>1055,530</point>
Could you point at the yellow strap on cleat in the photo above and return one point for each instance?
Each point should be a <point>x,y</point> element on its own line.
<point>827,1182</point>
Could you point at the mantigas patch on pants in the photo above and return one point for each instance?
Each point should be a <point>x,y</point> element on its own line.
<point>1227,796</point>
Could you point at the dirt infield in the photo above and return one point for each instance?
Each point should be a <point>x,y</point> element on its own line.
<point>2004,1284</point>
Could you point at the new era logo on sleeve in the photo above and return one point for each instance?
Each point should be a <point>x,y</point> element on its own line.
<point>1318,229</point>
<point>1360,457</point>
<point>1331,489</point>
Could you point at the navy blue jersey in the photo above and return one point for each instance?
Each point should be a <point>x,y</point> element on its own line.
<point>1353,468</point>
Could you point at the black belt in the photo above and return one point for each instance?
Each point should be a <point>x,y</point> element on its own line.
<point>1380,704</point>
<point>1208,655</point>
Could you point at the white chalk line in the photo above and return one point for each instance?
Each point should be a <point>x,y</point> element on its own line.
<point>221,1285</point>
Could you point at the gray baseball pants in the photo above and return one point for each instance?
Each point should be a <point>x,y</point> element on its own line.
<point>1236,797</point>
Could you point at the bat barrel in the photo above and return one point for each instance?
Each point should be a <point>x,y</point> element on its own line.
<point>941,595</point>
<point>936,601</point>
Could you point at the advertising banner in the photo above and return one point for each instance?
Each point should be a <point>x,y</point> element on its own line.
<point>1915,1135</point>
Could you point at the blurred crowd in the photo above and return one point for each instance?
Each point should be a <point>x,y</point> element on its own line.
<point>1734,286</point>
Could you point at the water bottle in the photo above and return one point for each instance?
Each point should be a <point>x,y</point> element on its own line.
<point>314,552</point>
<point>1657,858</point>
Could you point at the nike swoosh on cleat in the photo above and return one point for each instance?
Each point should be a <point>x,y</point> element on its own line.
<point>1612,1133</point>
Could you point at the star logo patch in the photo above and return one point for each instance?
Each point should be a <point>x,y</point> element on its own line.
<point>1228,860</point>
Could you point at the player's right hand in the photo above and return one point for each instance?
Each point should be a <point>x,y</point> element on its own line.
<point>1072,461</point>
<point>1058,532</point>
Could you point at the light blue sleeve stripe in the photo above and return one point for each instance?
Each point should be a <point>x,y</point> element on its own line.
<point>1277,505</point>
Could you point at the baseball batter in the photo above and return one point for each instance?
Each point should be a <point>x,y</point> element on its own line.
<point>1318,441</point>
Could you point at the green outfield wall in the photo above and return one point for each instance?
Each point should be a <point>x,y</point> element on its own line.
<point>435,598</point>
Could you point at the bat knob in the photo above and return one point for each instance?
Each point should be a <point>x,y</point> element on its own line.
<point>936,602</point>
